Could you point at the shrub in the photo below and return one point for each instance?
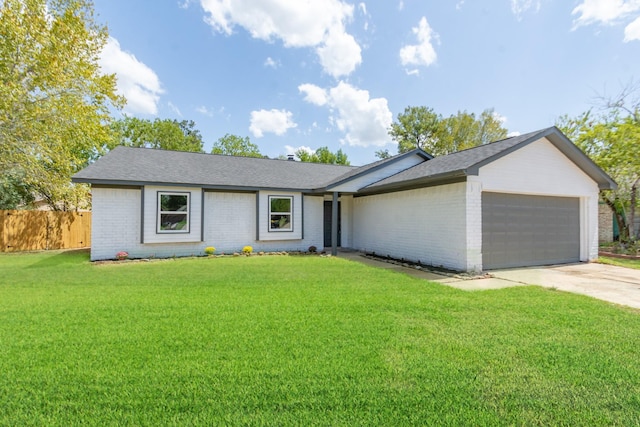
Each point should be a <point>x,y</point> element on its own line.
<point>122,255</point>
<point>247,250</point>
<point>209,250</point>
<point>312,249</point>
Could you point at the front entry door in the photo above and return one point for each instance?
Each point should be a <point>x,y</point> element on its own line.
<point>327,224</point>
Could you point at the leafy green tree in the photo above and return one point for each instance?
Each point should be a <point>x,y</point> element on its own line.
<point>234,145</point>
<point>14,192</point>
<point>416,127</point>
<point>323,155</point>
<point>421,127</point>
<point>54,100</point>
<point>463,130</point>
<point>612,140</point>
<point>164,134</point>
<point>383,154</point>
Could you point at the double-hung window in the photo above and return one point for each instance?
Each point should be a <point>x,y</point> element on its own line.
<point>280,213</point>
<point>173,212</point>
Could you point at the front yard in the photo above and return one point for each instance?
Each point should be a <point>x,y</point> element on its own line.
<point>301,341</point>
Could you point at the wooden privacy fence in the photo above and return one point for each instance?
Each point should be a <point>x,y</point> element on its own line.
<point>44,230</point>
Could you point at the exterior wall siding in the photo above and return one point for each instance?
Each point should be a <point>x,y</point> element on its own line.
<point>540,169</point>
<point>115,222</point>
<point>346,223</point>
<point>426,225</point>
<point>229,225</point>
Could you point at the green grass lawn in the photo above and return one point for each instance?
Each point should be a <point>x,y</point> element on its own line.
<point>629,263</point>
<point>301,341</point>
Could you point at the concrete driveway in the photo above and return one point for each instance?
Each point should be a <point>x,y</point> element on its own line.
<point>618,285</point>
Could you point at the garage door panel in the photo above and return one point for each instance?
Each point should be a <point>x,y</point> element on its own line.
<point>520,230</point>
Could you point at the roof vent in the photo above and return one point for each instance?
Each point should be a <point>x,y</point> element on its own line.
<point>290,158</point>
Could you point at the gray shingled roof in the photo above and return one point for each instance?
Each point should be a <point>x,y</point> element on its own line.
<point>467,162</point>
<point>138,166</point>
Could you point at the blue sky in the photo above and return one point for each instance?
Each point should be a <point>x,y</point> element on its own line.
<point>334,73</point>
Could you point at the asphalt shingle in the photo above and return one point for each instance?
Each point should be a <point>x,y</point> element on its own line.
<point>126,165</point>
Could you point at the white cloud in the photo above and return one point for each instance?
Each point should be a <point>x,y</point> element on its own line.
<point>459,4</point>
<point>136,81</point>
<point>422,53</point>
<point>272,63</point>
<point>273,121</point>
<point>512,134</point>
<point>313,94</point>
<point>519,7</point>
<point>174,108</point>
<point>204,110</point>
<point>363,120</point>
<point>340,54</point>
<point>603,11</point>
<point>292,150</point>
<point>632,31</point>
<point>314,23</point>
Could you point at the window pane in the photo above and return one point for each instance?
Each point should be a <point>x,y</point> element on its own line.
<point>280,204</point>
<point>281,222</point>
<point>173,202</point>
<point>176,221</point>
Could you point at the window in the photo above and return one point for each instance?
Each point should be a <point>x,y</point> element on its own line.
<point>173,212</point>
<point>280,213</point>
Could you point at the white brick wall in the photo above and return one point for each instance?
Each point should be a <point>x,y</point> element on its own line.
<point>229,225</point>
<point>115,221</point>
<point>474,224</point>
<point>426,225</point>
<point>346,221</point>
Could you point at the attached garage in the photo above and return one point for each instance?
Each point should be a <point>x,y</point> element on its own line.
<point>524,230</point>
<point>527,200</point>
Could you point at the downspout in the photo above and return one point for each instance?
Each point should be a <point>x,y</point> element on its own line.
<point>334,224</point>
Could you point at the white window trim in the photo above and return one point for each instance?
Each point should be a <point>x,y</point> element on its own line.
<point>160,212</point>
<point>290,213</point>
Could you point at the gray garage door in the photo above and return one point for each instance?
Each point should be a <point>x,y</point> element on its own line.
<point>520,230</point>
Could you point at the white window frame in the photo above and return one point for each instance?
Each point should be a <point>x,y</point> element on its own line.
<point>160,212</point>
<point>290,213</point>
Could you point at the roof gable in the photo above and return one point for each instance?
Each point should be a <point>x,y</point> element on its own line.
<point>458,165</point>
<point>361,177</point>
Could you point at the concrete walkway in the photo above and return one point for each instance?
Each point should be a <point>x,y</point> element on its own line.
<point>618,285</point>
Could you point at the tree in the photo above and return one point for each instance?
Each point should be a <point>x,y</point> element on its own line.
<point>421,127</point>
<point>323,155</point>
<point>234,145</point>
<point>13,190</point>
<point>165,134</point>
<point>382,154</point>
<point>54,101</point>
<point>612,140</point>
<point>417,127</point>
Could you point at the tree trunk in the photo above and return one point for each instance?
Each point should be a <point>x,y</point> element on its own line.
<point>620,218</point>
<point>632,216</point>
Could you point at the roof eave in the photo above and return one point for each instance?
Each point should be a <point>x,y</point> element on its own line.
<point>429,181</point>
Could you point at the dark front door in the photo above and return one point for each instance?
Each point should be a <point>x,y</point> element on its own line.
<point>327,224</point>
